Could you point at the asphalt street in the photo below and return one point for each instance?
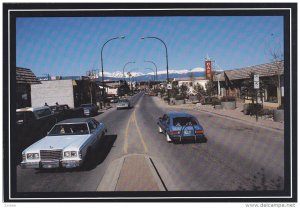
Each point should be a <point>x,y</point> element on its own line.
<point>237,156</point>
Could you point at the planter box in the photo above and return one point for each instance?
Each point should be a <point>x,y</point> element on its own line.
<point>278,115</point>
<point>246,109</point>
<point>228,105</point>
<point>179,102</point>
<point>218,107</point>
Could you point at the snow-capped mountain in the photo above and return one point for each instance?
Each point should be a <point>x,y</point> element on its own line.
<point>162,73</point>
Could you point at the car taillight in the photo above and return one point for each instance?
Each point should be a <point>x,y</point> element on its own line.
<point>199,132</point>
<point>174,132</point>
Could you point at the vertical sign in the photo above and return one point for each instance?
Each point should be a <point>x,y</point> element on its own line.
<point>208,70</point>
<point>256,81</point>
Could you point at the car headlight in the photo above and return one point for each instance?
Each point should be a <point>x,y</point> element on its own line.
<point>70,154</point>
<point>33,156</point>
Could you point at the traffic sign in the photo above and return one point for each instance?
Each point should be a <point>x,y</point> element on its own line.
<point>169,86</point>
<point>256,85</point>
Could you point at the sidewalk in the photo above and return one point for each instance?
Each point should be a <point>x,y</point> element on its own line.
<point>236,114</point>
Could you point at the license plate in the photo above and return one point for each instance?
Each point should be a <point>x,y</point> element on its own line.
<point>187,132</point>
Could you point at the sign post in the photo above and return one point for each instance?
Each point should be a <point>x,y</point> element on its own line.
<point>256,87</point>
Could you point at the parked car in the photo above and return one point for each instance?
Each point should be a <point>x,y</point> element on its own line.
<point>123,103</point>
<point>90,109</point>
<point>114,100</point>
<point>62,112</point>
<point>32,124</point>
<point>70,143</point>
<point>181,127</point>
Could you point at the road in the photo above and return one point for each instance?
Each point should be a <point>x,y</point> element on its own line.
<point>237,156</point>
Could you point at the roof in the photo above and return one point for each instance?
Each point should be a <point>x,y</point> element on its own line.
<point>263,70</point>
<point>179,114</point>
<point>32,109</point>
<point>25,76</point>
<point>76,120</point>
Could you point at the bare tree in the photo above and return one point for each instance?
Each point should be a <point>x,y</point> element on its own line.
<point>276,54</point>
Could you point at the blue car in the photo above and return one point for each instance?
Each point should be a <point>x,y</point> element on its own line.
<point>181,127</point>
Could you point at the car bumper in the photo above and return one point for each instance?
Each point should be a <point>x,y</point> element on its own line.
<point>52,164</point>
<point>197,138</point>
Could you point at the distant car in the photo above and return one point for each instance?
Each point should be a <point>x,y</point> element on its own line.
<point>114,100</point>
<point>90,109</point>
<point>62,112</point>
<point>181,127</point>
<point>123,103</point>
<point>152,93</point>
<point>70,143</point>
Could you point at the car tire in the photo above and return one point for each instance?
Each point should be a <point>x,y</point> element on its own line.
<point>160,130</point>
<point>168,138</point>
<point>88,160</point>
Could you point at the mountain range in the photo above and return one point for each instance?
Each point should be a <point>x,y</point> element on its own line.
<point>161,75</point>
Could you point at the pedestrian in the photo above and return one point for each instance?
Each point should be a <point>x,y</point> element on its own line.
<point>46,104</point>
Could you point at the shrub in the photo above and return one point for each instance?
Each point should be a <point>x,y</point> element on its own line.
<point>179,97</point>
<point>253,108</point>
<point>228,99</point>
<point>215,101</point>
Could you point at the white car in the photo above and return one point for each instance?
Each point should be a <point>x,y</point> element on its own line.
<point>69,144</point>
<point>123,103</point>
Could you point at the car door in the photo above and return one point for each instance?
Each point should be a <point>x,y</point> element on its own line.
<point>93,129</point>
<point>164,122</point>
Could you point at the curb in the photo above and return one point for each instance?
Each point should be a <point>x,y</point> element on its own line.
<point>111,175</point>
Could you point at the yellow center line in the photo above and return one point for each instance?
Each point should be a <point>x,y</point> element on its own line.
<point>125,147</point>
<point>140,134</point>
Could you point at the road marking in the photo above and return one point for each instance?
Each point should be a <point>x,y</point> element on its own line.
<point>140,134</point>
<point>125,147</point>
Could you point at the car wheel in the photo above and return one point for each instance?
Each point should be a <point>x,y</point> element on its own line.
<point>160,130</point>
<point>88,160</point>
<point>168,138</point>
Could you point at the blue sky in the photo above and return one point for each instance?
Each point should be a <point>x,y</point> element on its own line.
<point>71,45</point>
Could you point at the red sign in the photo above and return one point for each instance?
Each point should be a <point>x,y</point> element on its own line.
<point>208,70</point>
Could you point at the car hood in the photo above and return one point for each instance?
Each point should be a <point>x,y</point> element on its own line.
<point>72,142</point>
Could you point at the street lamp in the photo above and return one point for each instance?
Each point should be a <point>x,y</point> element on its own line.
<point>121,37</point>
<point>130,62</point>
<point>153,73</point>
<point>155,69</point>
<point>166,58</point>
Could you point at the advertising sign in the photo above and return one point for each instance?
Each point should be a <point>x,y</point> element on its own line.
<point>208,70</point>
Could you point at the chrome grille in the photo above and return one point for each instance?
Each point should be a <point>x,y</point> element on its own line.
<point>51,154</point>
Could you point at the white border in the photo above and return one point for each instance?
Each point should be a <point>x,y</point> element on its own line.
<point>165,9</point>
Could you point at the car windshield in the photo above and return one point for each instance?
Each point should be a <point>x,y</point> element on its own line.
<point>69,129</point>
<point>184,121</point>
<point>86,105</point>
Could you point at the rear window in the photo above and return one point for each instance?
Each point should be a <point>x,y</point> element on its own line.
<point>43,112</point>
<point>86,105</point>
<point>123,101</point>
<point>184,121</point>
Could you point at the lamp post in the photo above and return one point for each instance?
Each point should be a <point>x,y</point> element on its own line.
<point>155,68</point>
<point>166,59</point>
<point>121,37</point>
<point>153,73</point>
<point>130,62</point>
